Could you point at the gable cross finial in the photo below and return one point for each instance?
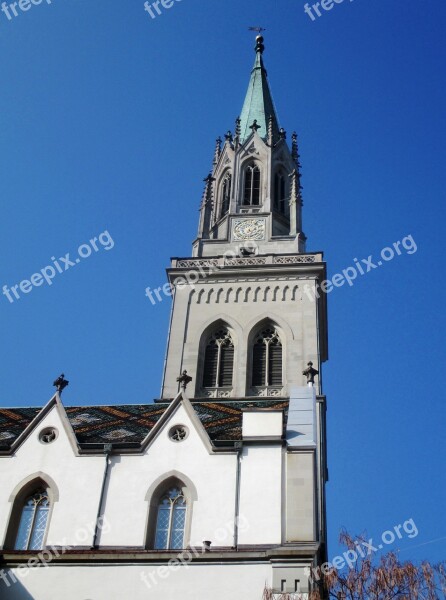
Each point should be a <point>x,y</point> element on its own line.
<point>61,383</point>
<point>184,380</point>
<point>254,126</point>
<point>310,373</point>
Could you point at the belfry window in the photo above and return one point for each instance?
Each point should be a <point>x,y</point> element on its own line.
<point>219,360</point>
<point>226,195</point>
<point>170,522</point>
<point>33,521</point>
<point>267,358</point>
<point>251,195</point>
<point>279,192</point>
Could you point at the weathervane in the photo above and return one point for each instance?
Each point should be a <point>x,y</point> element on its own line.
<point>258,29</point>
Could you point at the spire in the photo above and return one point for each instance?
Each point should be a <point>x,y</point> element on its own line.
<point>259,105</point>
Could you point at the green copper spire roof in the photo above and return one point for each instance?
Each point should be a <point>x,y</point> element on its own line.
<point>259,105</point>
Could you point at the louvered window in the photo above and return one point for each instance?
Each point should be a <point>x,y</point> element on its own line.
<point>226,195</point>
<point>267,359</point>
<point>170,521</point>
<point>279,192</point>
<point>33,522</point>
<point>219,360</point>
<point>251,196</point>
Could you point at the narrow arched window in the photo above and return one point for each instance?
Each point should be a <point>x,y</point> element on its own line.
<point>267,358</point>
<point>33,521</point>
<point>251,196</point>
<point>280,192</point>
<point>219,360</point>
<point>226,195</point>
<point>170,522</point>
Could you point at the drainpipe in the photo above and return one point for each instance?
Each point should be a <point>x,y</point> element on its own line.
<point>239,447</point>
<point>107,450</point>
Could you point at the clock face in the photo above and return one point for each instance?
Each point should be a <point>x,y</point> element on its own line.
<point>248,229</point>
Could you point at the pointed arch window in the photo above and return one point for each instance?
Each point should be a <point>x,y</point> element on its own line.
<point>267,358</point>
<point>219,360</point>
<point>171,520</point>
<point>33,521</point>
<point>226,194</point>
<point>251,194</point>
<point>280,192</point>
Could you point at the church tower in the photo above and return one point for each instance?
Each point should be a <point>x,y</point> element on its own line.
<point>246,318</point>
<point>247,321</point>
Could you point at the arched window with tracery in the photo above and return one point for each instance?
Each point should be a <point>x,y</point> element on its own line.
<point>251,194</point>
<point>33,521</point>
<point>218,360</point>
<point>280,192</point>
<point>171,520</point>
<point>226,194</point>
<point>267,358</point>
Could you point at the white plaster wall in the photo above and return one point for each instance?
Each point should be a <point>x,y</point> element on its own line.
<point>123,582</point>
<point>78,480</point>
<point>261,494</point>
<point>257,423</point>
<point>213,476</point>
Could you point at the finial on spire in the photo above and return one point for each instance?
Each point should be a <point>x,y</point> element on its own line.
<point>259,39</point>
<point>260,47</point>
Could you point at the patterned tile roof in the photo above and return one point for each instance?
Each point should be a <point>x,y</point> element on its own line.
<point>130,424</point>
<point>12,422</point>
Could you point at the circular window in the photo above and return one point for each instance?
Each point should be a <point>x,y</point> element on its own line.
<point>178,433</point>
<point>48,435</point>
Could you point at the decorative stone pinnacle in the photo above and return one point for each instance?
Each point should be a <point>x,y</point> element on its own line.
<point>217,150</point>
<point>184,380</point>
<point>237,126</point>
<point>310,373</point>
<point>270,130</point>
<point>282,134</point>
<point>294,149</point>
<point>228,136</point>
<point>254,126</point>
<point>61,383</point>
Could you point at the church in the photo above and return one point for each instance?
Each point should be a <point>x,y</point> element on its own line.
<point>217,488</point>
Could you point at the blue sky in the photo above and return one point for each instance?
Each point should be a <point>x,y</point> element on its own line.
<point>108,124</point>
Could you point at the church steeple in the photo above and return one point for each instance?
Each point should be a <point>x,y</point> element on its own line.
<point>258,105</point>
<point>254,188</point>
